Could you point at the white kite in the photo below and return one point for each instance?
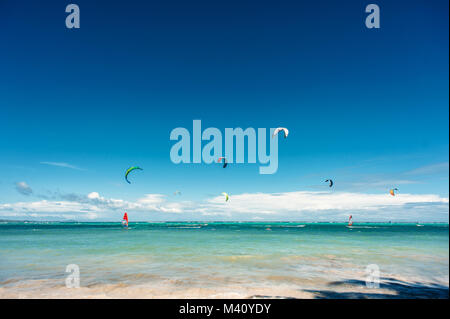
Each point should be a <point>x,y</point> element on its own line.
<point>278,129</point>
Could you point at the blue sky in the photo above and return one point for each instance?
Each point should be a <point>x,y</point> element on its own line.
<point>366,107</point>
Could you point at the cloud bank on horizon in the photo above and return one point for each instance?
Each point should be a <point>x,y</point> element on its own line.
<point>296,205</point>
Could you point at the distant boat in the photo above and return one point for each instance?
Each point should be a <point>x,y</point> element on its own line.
<point>125,220</point>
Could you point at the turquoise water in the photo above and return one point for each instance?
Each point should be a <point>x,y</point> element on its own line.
<point>210,254</point>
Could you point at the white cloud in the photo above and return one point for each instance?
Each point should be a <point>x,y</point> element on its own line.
<point>151,199</point>
<point>93,195</point>
<point>45,206</point>
<point>383,184</point>
<point>62,164</point>
<point>438,168</point>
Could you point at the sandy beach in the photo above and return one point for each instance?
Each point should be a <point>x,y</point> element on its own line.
<point>390,288</point>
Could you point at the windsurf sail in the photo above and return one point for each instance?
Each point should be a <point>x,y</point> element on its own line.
<point>350,220</point>
<point>125,220</point>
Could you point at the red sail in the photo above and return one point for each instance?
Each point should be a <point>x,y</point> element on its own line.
<point>125,218</point>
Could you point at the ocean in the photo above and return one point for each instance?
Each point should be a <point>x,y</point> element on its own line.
<point>224,260</point>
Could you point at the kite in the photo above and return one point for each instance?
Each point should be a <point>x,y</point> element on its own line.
<point>128,171</point>
<point>278,129</point>
<point>392,191</point>
<point>226,196</point>
<point>225,163</point>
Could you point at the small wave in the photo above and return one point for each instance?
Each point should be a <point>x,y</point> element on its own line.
<point>295,226</point>
<point>187,227</point>
<point>362,227</point>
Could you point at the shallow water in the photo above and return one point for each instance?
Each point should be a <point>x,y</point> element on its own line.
<point>300,256</point>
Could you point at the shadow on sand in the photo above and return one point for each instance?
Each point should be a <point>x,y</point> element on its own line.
<point>397,290</point>
<point>390,288</point>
